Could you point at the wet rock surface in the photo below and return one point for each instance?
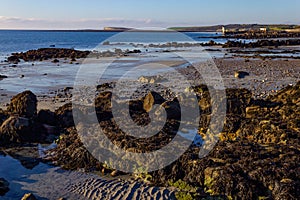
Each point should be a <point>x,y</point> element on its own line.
<point>46,54</point>
<point>21,123</point>
<point>23,104</point>
<point>257,155</point>
<point>261,43</point>
<point>254,160</point>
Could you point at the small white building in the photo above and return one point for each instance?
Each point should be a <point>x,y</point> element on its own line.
<point>263,29</point>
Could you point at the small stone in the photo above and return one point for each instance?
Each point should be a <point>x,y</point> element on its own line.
<point>55,61</point>
<point>241,74</point>
<point>3,76</point>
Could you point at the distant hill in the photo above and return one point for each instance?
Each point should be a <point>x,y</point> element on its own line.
<point>116,29</point>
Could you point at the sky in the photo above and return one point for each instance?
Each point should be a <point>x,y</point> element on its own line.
<point>96,14</point>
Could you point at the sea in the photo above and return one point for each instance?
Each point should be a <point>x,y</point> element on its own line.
<point>23,40</point>
<point>40,77</point>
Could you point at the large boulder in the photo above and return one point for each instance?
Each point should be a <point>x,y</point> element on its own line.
<point>23,104</point>
<point>15,130</point>
<point>46,117</point>
<point>64,116</point>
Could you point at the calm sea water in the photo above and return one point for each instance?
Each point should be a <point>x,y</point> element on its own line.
<point>17,41</point>
<point>59,76</point>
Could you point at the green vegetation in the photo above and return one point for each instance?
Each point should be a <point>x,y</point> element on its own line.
<point>142,173</point>
<point>185,191</point>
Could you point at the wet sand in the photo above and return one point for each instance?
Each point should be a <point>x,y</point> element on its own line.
<point>265,77</point>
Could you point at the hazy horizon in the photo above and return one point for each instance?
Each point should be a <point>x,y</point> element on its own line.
<point>97,14</point>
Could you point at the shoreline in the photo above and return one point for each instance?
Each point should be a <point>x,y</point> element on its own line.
<point>253,96</point>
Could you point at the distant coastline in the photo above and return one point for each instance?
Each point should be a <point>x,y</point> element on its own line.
<point>212,28</point>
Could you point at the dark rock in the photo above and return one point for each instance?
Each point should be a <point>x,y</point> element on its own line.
<point>66,89</point>
<point>16,130</point>
<point>257,155</point>
<point>3,116</point>
<point>23,104</point>
<point>3,76</point>
<point>3,187</point>
<point>48,53</point>
<point>103,106</point>
<point>64,116</point>
<point>13,59</point>
<point>55,61</point>
<point>71,154</point>
<point>241,74</point>
<point>237,101</point>
<point>173,109</point>
<point>46,117</point>
<point>135,51</point>
<point>261,43</point>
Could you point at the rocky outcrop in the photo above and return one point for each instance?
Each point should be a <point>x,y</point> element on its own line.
<point>261,43</point>
<point>46,54</point>
<point>23,105</point>
<point>13,59</point>
<point>256,157</point>
<point>71,154</point>
<point>21,124</point>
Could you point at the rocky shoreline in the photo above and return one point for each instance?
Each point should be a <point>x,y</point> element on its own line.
<point>256,156</point>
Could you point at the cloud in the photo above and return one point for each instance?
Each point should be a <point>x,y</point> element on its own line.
<point>34,23</point>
